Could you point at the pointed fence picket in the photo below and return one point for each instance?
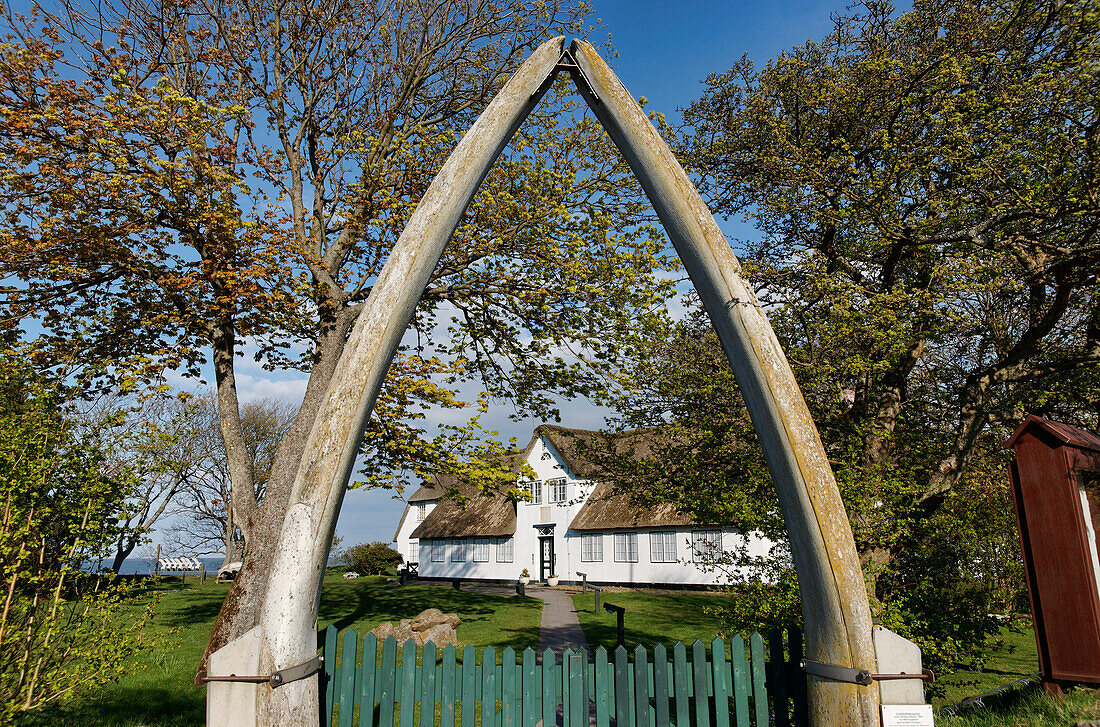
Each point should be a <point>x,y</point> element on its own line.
<point>367,684</point>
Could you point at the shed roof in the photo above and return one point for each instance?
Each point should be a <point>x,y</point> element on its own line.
<point>1065,433</point>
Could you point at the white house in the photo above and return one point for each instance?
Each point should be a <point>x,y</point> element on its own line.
<point>572,524</point>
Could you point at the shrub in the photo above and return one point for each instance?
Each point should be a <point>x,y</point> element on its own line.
<point>371,558</point>
<point>63,630</point>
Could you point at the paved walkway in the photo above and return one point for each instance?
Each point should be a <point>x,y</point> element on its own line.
<point>560,628</point>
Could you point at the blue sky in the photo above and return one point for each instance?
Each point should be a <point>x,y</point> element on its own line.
<point>665,51</point>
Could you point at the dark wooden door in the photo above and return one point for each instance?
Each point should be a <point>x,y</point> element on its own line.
<point>546,558</point>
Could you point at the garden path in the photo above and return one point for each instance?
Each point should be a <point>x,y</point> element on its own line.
<point>560,628</point>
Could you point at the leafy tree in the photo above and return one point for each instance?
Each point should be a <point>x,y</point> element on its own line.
<point>62,630</point>
<point>371,558</point>
<point>925,185</point>
<point>184,179</point>
<point>696,447</point>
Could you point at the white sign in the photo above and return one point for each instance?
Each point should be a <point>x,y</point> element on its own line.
<point>907,715</point>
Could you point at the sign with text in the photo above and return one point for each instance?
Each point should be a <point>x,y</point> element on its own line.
<point>907,715</point>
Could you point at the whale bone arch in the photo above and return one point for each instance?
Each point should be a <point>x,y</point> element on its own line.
<point>835,606</point>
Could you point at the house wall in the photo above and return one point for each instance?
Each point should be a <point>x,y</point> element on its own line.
<point>548,464</point>
<point>685,570</point>
<point>402,543</point>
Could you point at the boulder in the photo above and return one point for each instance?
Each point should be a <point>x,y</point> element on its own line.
<point>440,635</point>
<point>430,625</point>
<point>434,616</point>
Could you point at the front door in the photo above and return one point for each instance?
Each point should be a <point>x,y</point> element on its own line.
<point>546,557</point>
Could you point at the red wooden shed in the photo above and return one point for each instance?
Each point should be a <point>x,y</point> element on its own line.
<point>1057,495</point>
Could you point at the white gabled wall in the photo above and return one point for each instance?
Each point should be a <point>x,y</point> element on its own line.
<point>403,543</point>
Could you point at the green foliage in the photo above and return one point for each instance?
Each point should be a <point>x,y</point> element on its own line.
<point>692,443</point>
<point>62,630</point>
<point>763,591</point>
<point>371,558</point>
<point>925,186</point>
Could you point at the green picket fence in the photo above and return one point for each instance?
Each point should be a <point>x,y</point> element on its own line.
<point>406,686</point>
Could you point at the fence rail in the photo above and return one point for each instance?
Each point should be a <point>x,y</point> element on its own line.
<point>390,685</point>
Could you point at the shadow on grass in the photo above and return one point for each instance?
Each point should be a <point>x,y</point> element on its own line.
<point>131,707</point>
<point>185,605</point>
<point>650,618</point>
<point>347,604</point>
<point>363,606</point>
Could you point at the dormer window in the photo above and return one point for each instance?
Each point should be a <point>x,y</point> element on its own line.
<point>535,488</point>
<point>557,489</point>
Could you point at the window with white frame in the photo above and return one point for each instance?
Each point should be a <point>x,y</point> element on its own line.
<point>438,548</point>
<point>626,547</point>
<point>414,551</point>
<point>481,550</point>
<point>535,488</point>
<point>557,489</point>
<point>505,548</point>
<point>458,551</point>
<point>592,548</point>
<point>662,547</point>
<point>706,545</point>
<point>421,511</point>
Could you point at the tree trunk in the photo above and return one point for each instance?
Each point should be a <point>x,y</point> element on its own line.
<point>122,552</point>
<point>241,609</point>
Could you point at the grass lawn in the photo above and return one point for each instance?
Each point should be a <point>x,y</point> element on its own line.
<point>650,618</point>
<point>158,691</point>
<point>1013,658</point>
<point>1029,707</point>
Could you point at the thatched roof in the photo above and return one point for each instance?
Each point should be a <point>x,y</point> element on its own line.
<point>473,515</point>
<point>581,448</point>
<point>428,491</point>
<point>606,511</point>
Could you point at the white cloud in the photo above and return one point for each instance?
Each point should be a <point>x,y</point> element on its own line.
<point>251,388</point>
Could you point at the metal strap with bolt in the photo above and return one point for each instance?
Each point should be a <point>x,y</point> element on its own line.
<point>279,678</point>
<point>851,675</point>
